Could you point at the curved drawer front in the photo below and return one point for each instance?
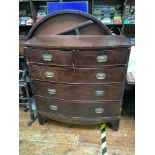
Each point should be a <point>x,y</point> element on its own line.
<point>79,109</point>
<point>48,57</point>
<point>102,58</point>
<point>78,92</point>
<point>69,75</point>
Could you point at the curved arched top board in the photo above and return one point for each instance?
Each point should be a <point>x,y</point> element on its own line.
<point>69,22</point>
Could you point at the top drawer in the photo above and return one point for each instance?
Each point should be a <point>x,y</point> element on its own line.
<point>48,57</point>
<point>82,58</point>
<point>102,57</point>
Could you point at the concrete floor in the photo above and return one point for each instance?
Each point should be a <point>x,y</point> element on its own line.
<point>55,138</point>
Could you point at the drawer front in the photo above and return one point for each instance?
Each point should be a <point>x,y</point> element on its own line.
<point>70,75</point>
<point>102,58</point>
<point>48,57</point>
<point>79,109</point>
<point>78,92</point>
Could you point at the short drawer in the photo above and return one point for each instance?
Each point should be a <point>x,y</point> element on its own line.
<point>48,57</point>
<point>102,57</point>
<point>78,75</point>
<point>78,92</point>
<point>79,109</point>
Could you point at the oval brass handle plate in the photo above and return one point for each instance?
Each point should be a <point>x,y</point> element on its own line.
<point>99,92</point>
<point>53,107</point>
<point>99,110</point>
<point>49,74</point>
<point>100,76</point>
<point>51,91</point>
<point>102,58</point>
<point>47,57</point>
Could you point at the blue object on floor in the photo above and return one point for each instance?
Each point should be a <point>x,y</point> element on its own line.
<point>57,6</point>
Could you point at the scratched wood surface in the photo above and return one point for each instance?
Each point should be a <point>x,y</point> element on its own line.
<point>55,138</point>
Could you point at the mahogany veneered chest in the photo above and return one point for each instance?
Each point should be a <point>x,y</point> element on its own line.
<point>77,78</point>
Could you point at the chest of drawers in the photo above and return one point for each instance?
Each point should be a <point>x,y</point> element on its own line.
<point>78,79</point>
<point>77,69</point>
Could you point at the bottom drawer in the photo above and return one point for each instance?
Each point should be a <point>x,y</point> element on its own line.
<point>79,109</point>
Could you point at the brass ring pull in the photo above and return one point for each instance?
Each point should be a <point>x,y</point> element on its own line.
<point>53,107</point>
<point>100,76</point>
<point>51,91</point>
<point>99,92</point>
<point>102,58</point>
<point>47,57</point>
<point>49,74</point>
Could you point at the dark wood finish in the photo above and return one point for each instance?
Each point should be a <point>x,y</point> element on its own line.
<point>78,92</point>
<point>79,109</point>
<point>115,124</point>
<point>91,42</point>
<point>77,75</point>
<point>41,119</point>
<point>59,57</point>
<point>75,28</point>
<point>80,120</point>
<point>82,58</point>
<point>62,20</point>
<point>72,61</point>
<point>114,57</point>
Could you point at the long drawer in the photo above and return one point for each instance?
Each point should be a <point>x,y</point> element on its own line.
<point>79,109</point>
<point>82,58</point>
<point>82,75</point>
<point>48,57</point>
<point>78,92</point>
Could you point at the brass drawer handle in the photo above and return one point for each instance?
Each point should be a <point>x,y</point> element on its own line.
<point>53,107</point>
<point>99,92</point>
<point>51,91</point>
<point>100,76</point>
<point>99,110</point>
<point>47,57</point>
<point>102,58</point>
<point>49,74</point>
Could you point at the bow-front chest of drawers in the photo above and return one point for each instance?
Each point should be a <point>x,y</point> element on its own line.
<point>78,79</point>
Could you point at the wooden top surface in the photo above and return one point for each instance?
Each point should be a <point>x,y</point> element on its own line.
<point>78,41</point>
